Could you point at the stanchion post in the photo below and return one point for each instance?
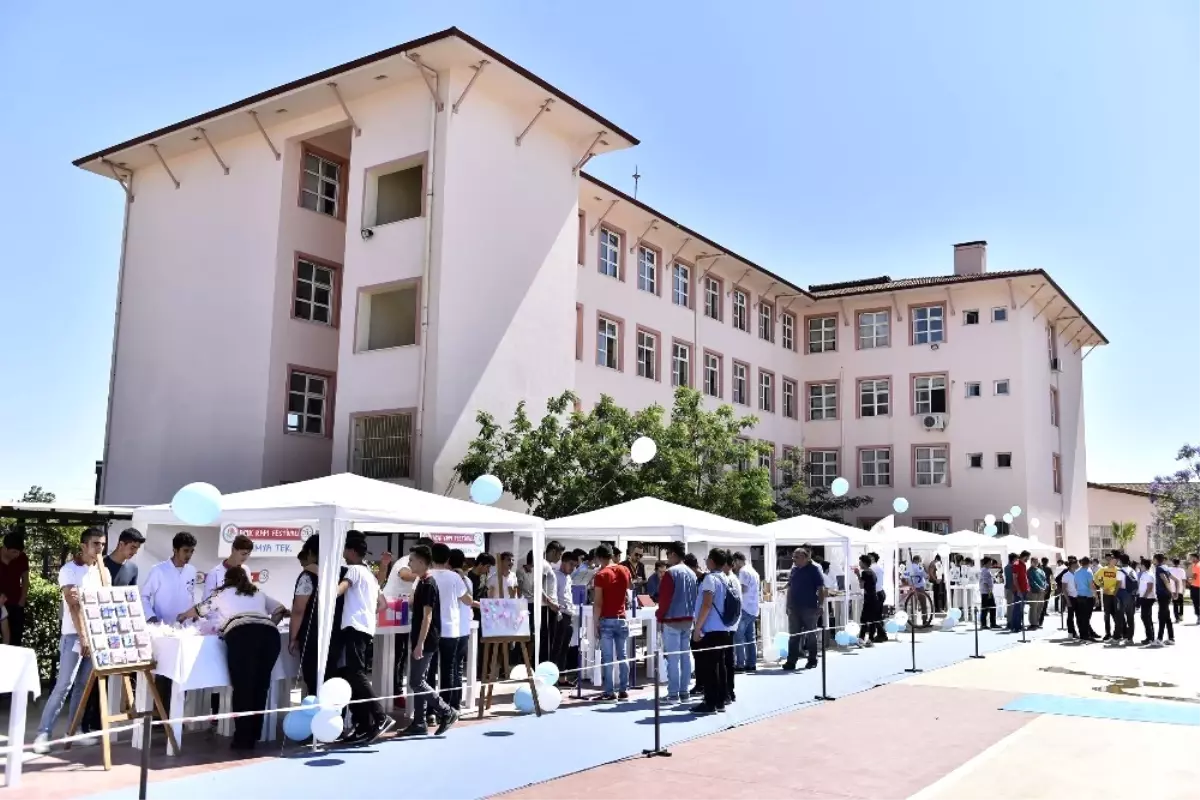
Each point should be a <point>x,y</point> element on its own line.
<point>978,611</point>
<point>824,695</point>
<point>913,629</point>
<point>144,777</point>
<point>1021,620</point>
<point>658,749</point>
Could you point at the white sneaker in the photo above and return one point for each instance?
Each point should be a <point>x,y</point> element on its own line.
<point>90,741</point>
<point>41,744</point>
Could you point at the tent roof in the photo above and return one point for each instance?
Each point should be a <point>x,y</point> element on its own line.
<point>966,538</point>
<point>1015,544</point>
<point>356,499</point>
<point>911,537</point>
<point>806,529</point>
<point>651,519</point>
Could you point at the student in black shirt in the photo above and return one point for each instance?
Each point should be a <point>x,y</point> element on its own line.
<point>120,561</point>
<point>424,638</point>
<point>872,610</point>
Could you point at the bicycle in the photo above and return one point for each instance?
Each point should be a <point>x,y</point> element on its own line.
<point>918,604</point>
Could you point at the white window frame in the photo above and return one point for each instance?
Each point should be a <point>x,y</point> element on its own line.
<point>787,330</point>
<point>766,322</point>
<point>879,459</point>
<point>973,385</point>
<point>712,298</point>
<point>647,269</point>
<point>931,462</point>
<point>823,404</point>
<point>1054,410</point>
<point>741,303</point>
<point>1003,313</point>
<point>967,318</point>
<point>826,330</point>
<point>647,354</point>
<point>1056,472</point>
<point>609,263</point>
<point>923,388</point>
<point>681,356</point>
<point>741,388</point>
<point>322,179</point>
<point>767,461</point>
<point>313,284</point>
<point>1004,384</point>
<point>822,468</point>
<point>304,395</point>
<point>789,399</point>
<point>928,324</point>
<point>880,330</point>
<point>766,392</point>
<point>681,285</point>
<point>879,407</point>
<point>712,375</point>
<point>608,344</point>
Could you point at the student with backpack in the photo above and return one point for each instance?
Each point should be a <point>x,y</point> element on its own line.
<point>1162,588</point>
<point>731,615</point>
<point>1127,590</point>
<point>712,636</point>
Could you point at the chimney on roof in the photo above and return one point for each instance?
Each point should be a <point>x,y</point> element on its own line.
<point>970,258</point>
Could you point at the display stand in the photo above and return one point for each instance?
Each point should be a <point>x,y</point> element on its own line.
<point>496,668</point>
<point>99,678</point>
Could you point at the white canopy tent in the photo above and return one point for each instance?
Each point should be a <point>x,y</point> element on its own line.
<point>1015,544</point>
<point>338,502</point>
<point>970,542</point>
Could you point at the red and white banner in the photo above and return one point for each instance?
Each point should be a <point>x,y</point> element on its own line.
<point>470,543</point>
<point>272,540</point>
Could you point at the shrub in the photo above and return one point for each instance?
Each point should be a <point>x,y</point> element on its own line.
<point>43,623</point>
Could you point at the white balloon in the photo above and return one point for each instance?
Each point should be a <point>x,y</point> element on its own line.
<point>327,725</point>
<point>334,694</point>
<point>839,487</point>
<point>1008,518</point>
<point>1035,522</point>
<point>519,673</point>
<point>644,448</point>
<point>901,617</point>
<point>989,519</point>
<point>853,629</point>
<point>549,697</point>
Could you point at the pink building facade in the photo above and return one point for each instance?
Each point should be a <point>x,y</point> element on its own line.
<point>338,274</point>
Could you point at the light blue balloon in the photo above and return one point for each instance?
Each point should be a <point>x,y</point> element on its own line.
<point>955,614</point>
<point>311,700</point>
<point>297,725</point>
<point>197,504</point>
<point>781,641</point>
<point>1015,511</point>
<point>843,639</point>
<point>990,530</point>
<point>547,671</point>
<point>900,505</point>
<point>523,699</point>
<point>486,489</point>
<point>839,486</point>
<point>783,654</point>
<point>891,626</point>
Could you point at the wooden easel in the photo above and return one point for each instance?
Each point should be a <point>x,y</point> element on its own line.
<point>99,678</point>
<point>496,668</point>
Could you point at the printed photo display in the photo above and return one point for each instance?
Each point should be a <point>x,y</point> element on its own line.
<point>117,627</point>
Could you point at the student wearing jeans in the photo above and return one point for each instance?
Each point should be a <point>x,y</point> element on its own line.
<point>1070,594</point>
<point>611,584</point>
<point>1085,599</point>
<point>677,592</point>
<point>745,654</point>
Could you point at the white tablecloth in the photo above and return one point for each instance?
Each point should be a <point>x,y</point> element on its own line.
<point>201,662</point>
<point>19,676</point>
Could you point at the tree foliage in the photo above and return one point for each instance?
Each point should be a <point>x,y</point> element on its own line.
<point>1123,533</point>
<point>574,461</point>
<point>45,545</point>
<point>797,495</point>
<point>1176,499</point>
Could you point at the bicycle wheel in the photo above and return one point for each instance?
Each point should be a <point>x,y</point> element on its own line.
<point>920,610</point>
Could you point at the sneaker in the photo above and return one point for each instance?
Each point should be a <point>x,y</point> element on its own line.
<point>720,709</point>
<point>1170,641</point>
<point>415,729</point>
<point>625,695</point>
<point>1107,636</point>
<point>810,664</point>
<point>683,699</point>
<point>697,692</point>
<point>92,741</point>
<point>447,723</point>
<point>41,744</point>
<point>703,708</point>
<point>607,697</point>
<point>379,730</point>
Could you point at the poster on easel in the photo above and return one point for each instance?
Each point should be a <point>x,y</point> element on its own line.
<point>117,627</point>
<point>503,618</point>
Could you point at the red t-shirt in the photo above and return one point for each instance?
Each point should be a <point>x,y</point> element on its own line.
<point>10,577</point>
<point>1020,576</point>
<point>614,580</point>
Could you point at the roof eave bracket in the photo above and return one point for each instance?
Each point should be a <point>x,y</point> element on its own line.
<point>213,150</point>
<point>845,319</point>
<point>764,293</point>
<point>1035,294</point>
<point>1043,308</point>
<point>163,161</point>
<point>896,307</point>
<point>738,283</point>
<point>478,71</point>
<point>346,109</point>
<point>653,224</point>
<point>126,179</point>
<point>950,302</point>
<point>1012,297</point>
<point>544,108</point>
<point>603,216</point>
<point>263,131</point>
<point>587,156</point>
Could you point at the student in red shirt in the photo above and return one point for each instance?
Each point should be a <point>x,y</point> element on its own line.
<point>1020,573</point>
<point>611,584</point>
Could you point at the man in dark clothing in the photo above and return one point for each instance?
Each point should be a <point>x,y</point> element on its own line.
<point>805,597</point>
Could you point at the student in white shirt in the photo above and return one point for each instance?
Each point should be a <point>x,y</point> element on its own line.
<point>362,604</point>
<point>239,553</point>
<point>84,573</point>
<point>1179,581</point>
<point>466,615</point>
<point>453,592</point>
<point>398,580</point>
<point>745,651</point>
<point>564,632</point>
<point>502,582</point>
<point>1145,599</point>
<point>171,585</point>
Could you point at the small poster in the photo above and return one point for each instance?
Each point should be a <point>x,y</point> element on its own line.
<point>503,618</point>
<point>113,615</point>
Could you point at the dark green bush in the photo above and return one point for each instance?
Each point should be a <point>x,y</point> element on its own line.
<point>43,623</point>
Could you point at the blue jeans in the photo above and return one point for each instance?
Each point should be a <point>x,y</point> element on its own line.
<point>69,663</point>
<point>1016,614</point>
<point>745,652</point>
<point>677,644</point>
<point>614,636</point>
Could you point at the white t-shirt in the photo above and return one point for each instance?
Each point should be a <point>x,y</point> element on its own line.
<point>81,576</point>
<point>549,582</point>
<point>362,600</point>
<point>451,587</point>
<point>395,587</point>
<point>510,583</point>
<point>227,603</point>
<point>1069,584</point>
<point>1180,578</point>
<point>169,591</point>
<point>1146,584</point>
<point>748,578</point>
<point>878,570</point>
<point>466,614</point>
<point>563,593</point>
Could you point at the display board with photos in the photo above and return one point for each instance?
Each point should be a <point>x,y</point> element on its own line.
<point>117,627</point>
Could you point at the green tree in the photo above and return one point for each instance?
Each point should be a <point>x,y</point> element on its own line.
<point>1123,533</point>
<point>45,545</point>
<point>1176,499</point>
<point>796,495</point>
<point>572,461</point>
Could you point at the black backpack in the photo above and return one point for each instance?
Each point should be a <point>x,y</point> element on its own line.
<point>1131,581</point>
<point>731,609</point>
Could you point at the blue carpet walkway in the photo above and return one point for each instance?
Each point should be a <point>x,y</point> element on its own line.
<point>505,754</point>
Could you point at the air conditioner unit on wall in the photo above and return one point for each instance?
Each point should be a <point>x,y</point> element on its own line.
<point>934,422</point>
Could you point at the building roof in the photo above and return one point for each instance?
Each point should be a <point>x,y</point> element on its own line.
<point>664,218</point>
<point>65,513</point>
<point>885,283</point>
<point>1142,489</point>
<point>323,77</point>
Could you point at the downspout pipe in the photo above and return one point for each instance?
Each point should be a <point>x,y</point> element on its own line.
<point>426,270</point>
<point>102,495</point>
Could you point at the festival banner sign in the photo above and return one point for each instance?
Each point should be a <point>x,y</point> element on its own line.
<point>271,540</point>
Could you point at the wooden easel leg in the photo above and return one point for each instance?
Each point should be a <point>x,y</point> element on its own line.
<point>537,707</point>
<point>79,712</point>
<point>104,716</point>
<point>489,669</point>
<point>162,714</point>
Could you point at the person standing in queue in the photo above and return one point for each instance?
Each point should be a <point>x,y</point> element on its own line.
<point>363,603</point>
<point>711,634</point>
<point>676,614</point>
<point>871,618</point>
<point>425,638</point>
<point>805,597</point>
<point>611,583</point>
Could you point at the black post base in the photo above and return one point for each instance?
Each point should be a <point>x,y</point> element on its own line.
<point>978,656</point>
<point>653,753</point>
<point>914,669</point>
<point>823,697</point>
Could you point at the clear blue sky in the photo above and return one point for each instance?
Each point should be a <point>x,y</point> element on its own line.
<point>827,140</point>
